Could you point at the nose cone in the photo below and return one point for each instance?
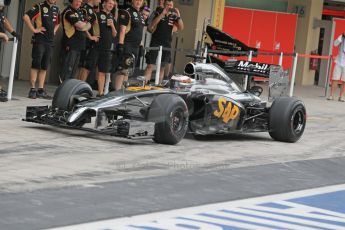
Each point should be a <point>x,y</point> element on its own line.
<point>76,114</point>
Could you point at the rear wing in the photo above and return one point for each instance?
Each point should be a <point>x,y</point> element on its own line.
<point>248,68</point>
<point>217,40</point>
<point>244,67</point>
<point>278,78</point>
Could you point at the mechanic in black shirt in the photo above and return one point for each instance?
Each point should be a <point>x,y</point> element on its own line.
<point>101,54</point>
<point>161,27</point>
<point>115,59</point>
<point>43,20</point>
<point>74,26</point>
<point>5,25</point>
<point>92,36</point>
<point>131,24</point>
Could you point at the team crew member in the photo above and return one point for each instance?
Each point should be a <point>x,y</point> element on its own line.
<point>146,13</point>
<point>92,35</point>
<point>74,26</point>
<point>339,69</point>
<point>115,59</point>
<point>5,25</point>
<point>131,30</point>
<point>101,54</point>
<point>161,28</point>
<point>43,20</point>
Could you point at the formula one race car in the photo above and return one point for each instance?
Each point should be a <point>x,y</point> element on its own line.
<point>204,100</point>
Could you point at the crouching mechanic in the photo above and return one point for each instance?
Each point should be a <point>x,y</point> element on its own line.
<point>101,54</point>
<point>74,26</point>
<point>131,24</point>
<point>43,20</point>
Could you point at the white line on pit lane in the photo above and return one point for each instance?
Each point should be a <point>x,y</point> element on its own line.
<point>294,210</point>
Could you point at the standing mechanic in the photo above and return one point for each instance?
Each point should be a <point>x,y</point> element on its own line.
<point>101,54</point>
<point>74,26</point>
<point>5,25</point>
<point>131,24</point>
<point>92,36</point>
<point>43,20</point>
<point>161,28</point>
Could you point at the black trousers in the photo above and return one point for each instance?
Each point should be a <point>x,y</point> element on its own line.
<point>69,62</point>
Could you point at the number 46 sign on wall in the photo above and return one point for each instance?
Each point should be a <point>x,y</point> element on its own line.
<point>300,10</point>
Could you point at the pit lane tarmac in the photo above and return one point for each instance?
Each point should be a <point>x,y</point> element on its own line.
<point>54,177</point>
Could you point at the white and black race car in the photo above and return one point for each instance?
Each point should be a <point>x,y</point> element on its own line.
<point>204,100</point>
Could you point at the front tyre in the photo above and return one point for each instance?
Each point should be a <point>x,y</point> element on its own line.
<point>287,119</point>
<point>64,96</point>
<point>170,114</point>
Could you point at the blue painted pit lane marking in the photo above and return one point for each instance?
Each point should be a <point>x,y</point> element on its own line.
<point>316,221</point>
<point>329,201</point>
<point>320,208</point>
<point>273,219</point>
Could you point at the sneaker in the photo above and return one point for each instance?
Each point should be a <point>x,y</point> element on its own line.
<point>41,93</point>
<point>32,93</point>
<point>3,95</point>
<point>341,99</point>
<point>330,98</point>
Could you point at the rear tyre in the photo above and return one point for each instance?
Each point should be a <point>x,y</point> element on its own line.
<point>64,96</point>
<point>287,119</point>
<point>170,114</point>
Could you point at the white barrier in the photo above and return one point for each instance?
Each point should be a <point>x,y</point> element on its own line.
<point>107,82</point>
<point>158,65</point>
<point>13,66</point>
<point>204,55</point>
<point>250,57</point>
<point>281,59</point>
<point>293,77</point>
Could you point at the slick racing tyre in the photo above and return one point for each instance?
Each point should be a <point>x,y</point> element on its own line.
<point>64,96</point>
<point>170,114</point>
<point>287,119</point>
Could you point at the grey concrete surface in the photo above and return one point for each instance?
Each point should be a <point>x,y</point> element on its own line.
<point>49,170</point>
<point>34,156</point>
<point>73,205</point>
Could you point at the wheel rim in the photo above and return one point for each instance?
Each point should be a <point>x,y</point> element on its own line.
<point>298,121</point>
<point>177,120</point>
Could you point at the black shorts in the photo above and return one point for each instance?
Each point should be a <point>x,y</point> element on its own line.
<point>83,57</point>
<point>99,58</point>
<point>151,56</point>
<point>41,56</point>
<point>128,50</point>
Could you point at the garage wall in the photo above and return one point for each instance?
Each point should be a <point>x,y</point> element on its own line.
<point>193,17</point>
<point>307,38</point>
<point>267,31</point>
<point>272,5</point>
